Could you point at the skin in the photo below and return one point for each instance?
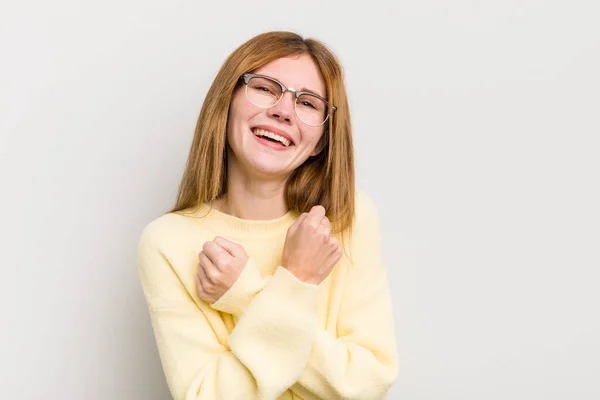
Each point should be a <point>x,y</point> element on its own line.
<point>257,175</point>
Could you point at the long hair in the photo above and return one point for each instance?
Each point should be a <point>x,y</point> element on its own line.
<point>326,179</point>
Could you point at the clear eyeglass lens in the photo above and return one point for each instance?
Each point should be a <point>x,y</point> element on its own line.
<point>265,93</point>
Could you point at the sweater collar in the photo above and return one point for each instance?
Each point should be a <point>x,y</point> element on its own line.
<point>229,226</point>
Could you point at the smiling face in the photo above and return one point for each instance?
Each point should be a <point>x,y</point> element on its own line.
<point>273,142</point>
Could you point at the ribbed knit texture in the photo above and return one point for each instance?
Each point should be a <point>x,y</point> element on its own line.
<point>271,336</point>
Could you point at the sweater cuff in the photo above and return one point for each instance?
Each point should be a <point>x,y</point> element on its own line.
<point>242,292</point>
<point>277,330</point>
<point>293,292</point>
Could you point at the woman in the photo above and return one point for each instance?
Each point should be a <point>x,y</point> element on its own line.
<point>266,281</point>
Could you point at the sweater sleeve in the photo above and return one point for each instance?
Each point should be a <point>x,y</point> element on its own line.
<point>360,360</point>
<point>265,353</point>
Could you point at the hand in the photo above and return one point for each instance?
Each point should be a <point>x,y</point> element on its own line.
<point>221,263</point>
<point>310,251</point>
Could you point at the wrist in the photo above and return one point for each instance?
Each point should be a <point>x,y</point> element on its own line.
<point>248,284</point>
<point>303,276</point>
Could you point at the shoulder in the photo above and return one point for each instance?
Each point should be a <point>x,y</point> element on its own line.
<point>167,231</point>
<point>161,227</point>
<point>365,225</point>
<point>365,241</point>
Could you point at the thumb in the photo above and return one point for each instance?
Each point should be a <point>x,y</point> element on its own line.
<point>232,248</point>
<point>297,222</point>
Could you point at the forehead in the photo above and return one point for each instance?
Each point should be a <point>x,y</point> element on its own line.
<point>299,71</point>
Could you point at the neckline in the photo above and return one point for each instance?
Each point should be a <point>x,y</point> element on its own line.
<point>230,226</point>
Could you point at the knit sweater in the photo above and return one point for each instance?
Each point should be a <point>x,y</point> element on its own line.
<point>270,336</point>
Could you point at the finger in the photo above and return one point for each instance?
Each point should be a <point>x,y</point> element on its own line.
<point>325,222</point>
<point>317,211</point>
<point>232,248</point>
<point>337,249</point>
<point>202,266</point>
<point>298,221</point>
<point>215,253</point>
<point>315,216</point>
<point>301,218</point>
<point>200,288</point>
<point>203,293</point>
<point>208,246</point>
<point>324,231</point>
<point>325,227</point>
<point>334,242</point>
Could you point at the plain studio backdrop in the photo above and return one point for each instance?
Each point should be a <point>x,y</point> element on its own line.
<point>476,128</point>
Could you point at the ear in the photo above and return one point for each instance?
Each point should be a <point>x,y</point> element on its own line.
<point>321,144</point>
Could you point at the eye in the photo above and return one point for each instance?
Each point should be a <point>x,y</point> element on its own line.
<point>264,89</point>
<point>307,103</point>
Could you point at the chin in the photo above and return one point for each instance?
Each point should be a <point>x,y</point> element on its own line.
<point>271,171</point>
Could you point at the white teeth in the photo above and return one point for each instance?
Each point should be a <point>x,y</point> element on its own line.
<point>281,139</point>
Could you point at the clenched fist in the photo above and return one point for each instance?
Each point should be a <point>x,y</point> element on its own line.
<point>310,251</point>
<point>221,263</point>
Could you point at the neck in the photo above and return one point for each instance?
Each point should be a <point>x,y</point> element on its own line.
<point>251,197</point>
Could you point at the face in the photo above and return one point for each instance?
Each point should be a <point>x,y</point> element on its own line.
<point>251,129</point>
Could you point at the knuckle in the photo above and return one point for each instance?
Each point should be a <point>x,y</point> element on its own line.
<point>201,291</point>
<point>301,218</point>
<point>202,278</point>
<point>212,275</point>
<point>224,262</point>
<point>202,265</point>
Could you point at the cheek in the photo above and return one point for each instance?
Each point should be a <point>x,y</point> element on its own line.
<point>236,109</point>
<point>314,136</point>
<point>241,112</point>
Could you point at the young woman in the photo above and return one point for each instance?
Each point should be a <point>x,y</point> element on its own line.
<point>266,280</point>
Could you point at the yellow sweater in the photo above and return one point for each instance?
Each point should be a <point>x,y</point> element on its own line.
<point>271,336</point>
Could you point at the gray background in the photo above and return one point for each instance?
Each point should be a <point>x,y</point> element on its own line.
<point>476,128</point>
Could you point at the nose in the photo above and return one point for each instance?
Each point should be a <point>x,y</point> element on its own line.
<point>284,109</point>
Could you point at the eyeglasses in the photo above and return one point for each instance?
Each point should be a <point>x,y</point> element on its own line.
<point>265,92</point>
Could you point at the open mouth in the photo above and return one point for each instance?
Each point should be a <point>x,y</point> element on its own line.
<point>272,137</point>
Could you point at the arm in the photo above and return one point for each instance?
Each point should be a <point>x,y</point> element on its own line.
<point>361,362</point>
<point>265,353</point>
